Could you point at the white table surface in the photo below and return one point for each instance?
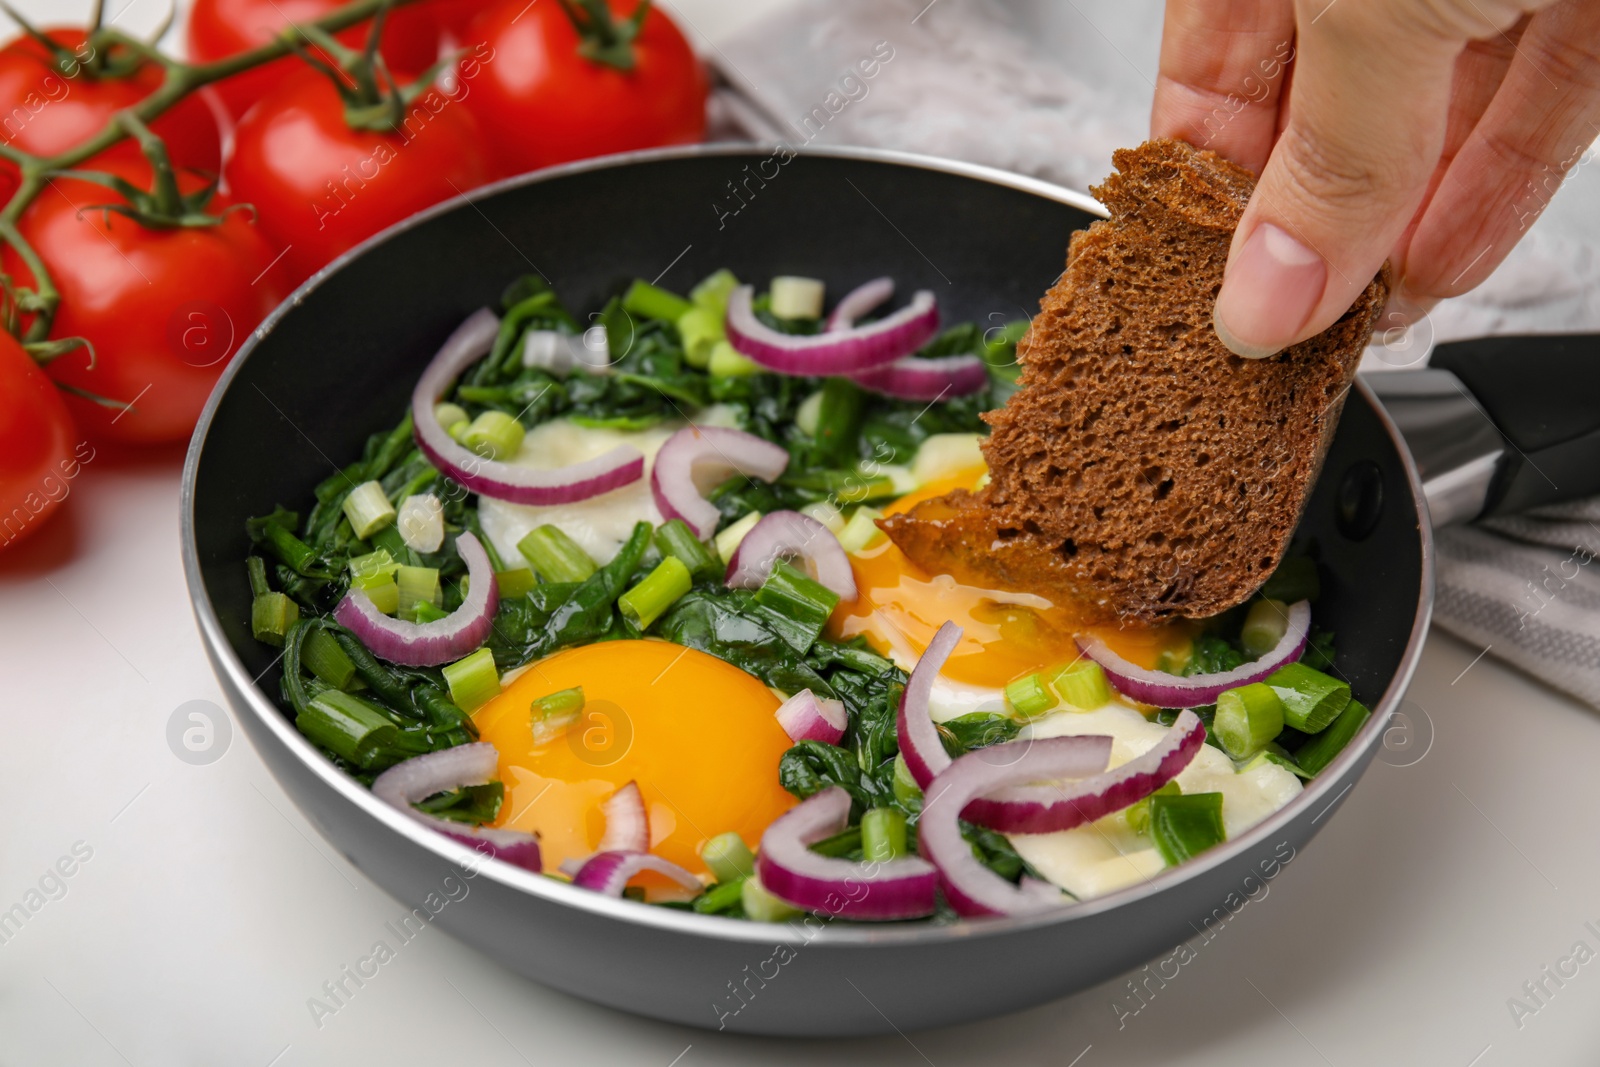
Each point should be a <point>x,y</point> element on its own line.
<point>207,911</point>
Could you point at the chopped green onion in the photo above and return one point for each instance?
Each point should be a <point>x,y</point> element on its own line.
<point>474,804</point>
<point>809,414</point>
<point>1264,626</point>
<point>906,789</point>
<point>256,568</point>
<point>1295,579</point>
<point>728,362</point>
<point>427,611</point>
<point>458,430</point>
<point>674,538</point>
<point>271,615</point>
<point>377,564</point>
<point>762,906</point>
<point>724,896</point>
<point>1247,718</point>
<point>323,657</point>
<point>644,603</point>
<point>652,302</point>
<point>447,415</point>
<point>1311,699</point>
<point>368,509</point>
<point>518,581</point>
<point>849,486</point>
<point>346,725</point>
<point>861,532</point>
<point>416,584</point>
<point>1276,754</point>
<point>472,679</point>
<point>712,293</point>
<point>1138,813</point>
<point>381,590</point>
<point>700,329</point>
<point>728,858</point>
<point>794,605</point>
<point>792,297</point>
<point>824,512</point>
<point>840,844</point>
<point>1318,752</point>
<point>1028,696</point>
<point>1183,826</point>
<point>1082,684</point>
<point>883,834</point>
<point>494,435</point>
<point>728,540</point>
<point>551,715</point>
<point>554,556</point>
<point>839,419</point>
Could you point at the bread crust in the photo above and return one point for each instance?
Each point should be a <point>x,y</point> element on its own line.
<point>1142,469</point>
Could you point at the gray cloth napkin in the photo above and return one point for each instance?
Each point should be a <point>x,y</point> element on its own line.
<point>1049,90</point>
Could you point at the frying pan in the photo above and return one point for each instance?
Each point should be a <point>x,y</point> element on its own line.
<point>338,361</point>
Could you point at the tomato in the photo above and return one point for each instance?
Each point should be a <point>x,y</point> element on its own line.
<point>45,112</point>
<point>454,15</point>
<point>37,463</point>
<point>539,102</point>
<point>221,28</point>
<point>320,187</point>
<point>163,308</point>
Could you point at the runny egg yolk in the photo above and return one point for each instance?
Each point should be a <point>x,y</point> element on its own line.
<point>1005,635</point>
<point>696,733</point>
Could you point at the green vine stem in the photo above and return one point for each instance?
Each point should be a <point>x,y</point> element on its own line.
<point>180,80</point>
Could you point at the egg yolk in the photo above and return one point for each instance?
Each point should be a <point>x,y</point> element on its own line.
<point>1005,635</point>
<point>696,733</point>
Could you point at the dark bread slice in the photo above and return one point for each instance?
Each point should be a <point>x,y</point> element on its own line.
<point>1143,469</point>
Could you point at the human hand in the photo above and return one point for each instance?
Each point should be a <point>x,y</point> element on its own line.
<point>1427,132</point>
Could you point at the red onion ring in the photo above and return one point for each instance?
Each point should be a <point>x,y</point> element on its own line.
<point>789,534</point>
<point>1171,691</point>
<point>428,644</point>
<point>858,301</point>
<point>422,776</point>
<point>627,824</point>
<point>808,717</point>
<point>621,466</point>
<point>844,351</point>
<point>893,889</point>
<point>916,378</point>
<point>970,887</point>
<point>919,738</point>
<point>1043,809</point>
<point>609,872</point>
<point>705,456</point>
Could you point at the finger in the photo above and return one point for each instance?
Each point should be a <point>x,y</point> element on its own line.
<point>1544,117</point>
<point>1223,65</point>
<point>1351,167</point>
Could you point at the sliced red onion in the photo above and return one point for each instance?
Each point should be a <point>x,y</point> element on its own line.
<point>428,644</point>
<point>1043,809</point>
<point>421,777</point>
<point>698,458</point>
<point>971,888</point>
<point>609,872</point>
<point>1172,691</point>
<point>884,889</point>
<point>627,824</point>
<point>915,378</point>
<point>808,717</point>
<point>844,351</point>
<point>790,535</point>
<point>621,466</point>
<point>919,738</point>
<point>858,301</point>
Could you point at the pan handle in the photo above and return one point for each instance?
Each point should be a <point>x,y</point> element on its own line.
<point>1501,424</point>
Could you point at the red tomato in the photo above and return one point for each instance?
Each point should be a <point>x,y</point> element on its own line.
<point>45,112</point>
<point>164,308</point>
<point>454,15</point>
<point>320,187</point>
<point>36,460</point>
<point>221,28</point>
<point>539,102</point>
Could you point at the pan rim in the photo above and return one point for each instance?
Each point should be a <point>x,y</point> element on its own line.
<point>238,680</point>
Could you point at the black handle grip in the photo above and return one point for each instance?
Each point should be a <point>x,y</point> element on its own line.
<point>1543,394</point>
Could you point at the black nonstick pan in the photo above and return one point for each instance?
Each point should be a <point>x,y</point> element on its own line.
<point>339,360</point>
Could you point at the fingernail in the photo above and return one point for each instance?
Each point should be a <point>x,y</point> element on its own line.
<point>1273,285</point>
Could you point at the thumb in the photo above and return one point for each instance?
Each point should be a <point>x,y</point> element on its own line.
<point>1366,127</point>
